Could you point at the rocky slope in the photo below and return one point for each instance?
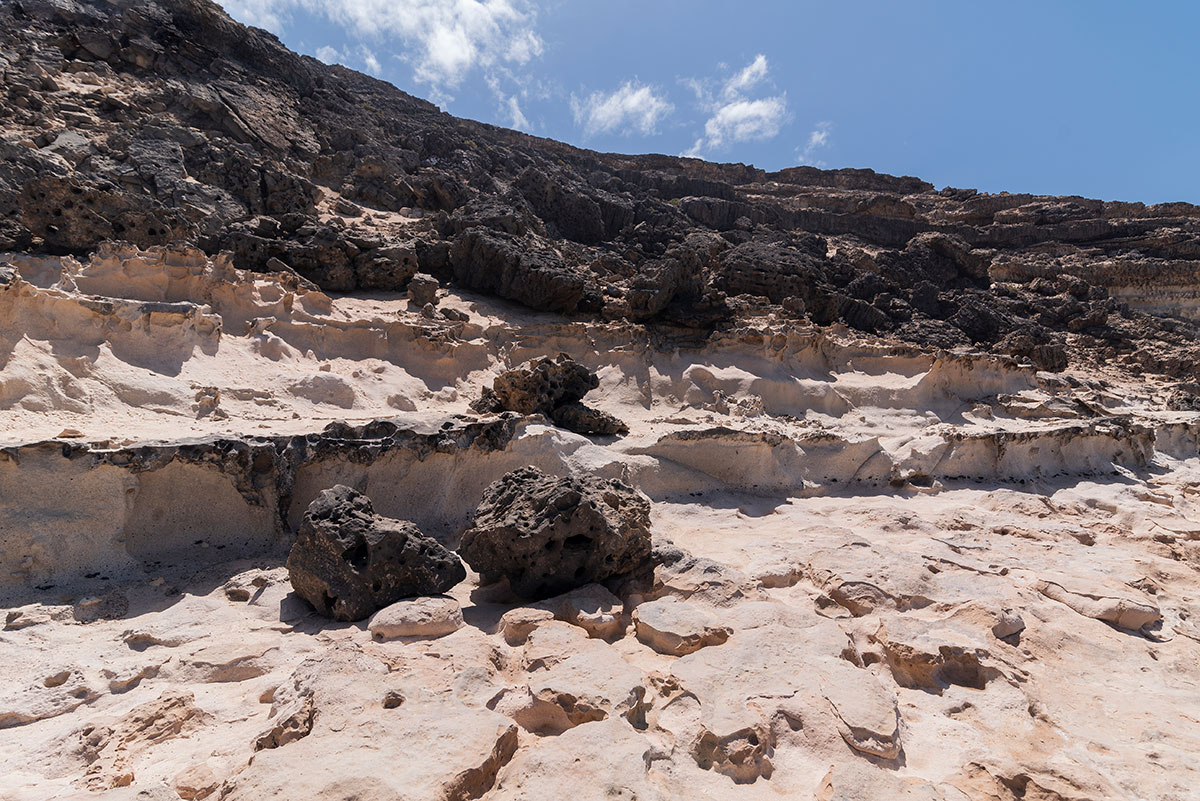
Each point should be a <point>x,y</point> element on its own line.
<point>169,123</point>
<point>921,465</point>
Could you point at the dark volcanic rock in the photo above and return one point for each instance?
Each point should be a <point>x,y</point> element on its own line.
<point>583,419</point>
<point>549,535</point>
<point>422,289</point>
<point>541,385</point>
<point>195,130</point>
<point>348,561</point>
<point>554,388</point>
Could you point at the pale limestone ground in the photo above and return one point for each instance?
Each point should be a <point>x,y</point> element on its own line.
<point>863,519</point>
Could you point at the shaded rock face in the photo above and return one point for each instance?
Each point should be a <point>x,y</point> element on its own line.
<point>553,387</point>
<point>549,535</point>
<point>348,562</point>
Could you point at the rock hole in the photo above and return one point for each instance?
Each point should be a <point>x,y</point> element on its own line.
<point>579,542</point>
<point>357,554</point>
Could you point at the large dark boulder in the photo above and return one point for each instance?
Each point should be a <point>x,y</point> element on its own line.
<point>348,561</point>
<point>541,385</point>
<point>552,387</point>
<point>549,535</point>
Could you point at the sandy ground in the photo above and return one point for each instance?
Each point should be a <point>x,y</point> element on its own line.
<point>938,576</point>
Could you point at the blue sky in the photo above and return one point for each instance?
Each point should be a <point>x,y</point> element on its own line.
<point>1094,98</point>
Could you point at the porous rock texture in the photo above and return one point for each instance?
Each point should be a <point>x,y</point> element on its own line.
<point>348,561</point>
<point>547,535</point>
<point>554,388</point>
<point>926,460</point>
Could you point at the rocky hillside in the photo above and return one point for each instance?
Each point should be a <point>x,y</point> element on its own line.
<point>167,122</point>
<point>660,480</point>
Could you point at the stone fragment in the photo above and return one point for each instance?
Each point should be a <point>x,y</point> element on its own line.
<point>196,782</point>
<point>865,712</point>
<point>432,616</point>
<point>549,535</point>
<point>1008,622</point>
<point>348,562</point>
<point>675,627</point>
<point>517,624</point>
<point>932,656</point>
<point>293,720</point>
<point>110,606</point>
<point>542,385</point>
<point>593,608</point>
<point>33,615</point>
<point>422,289</point>
<point>583,419</point>
<point>1121,612</point>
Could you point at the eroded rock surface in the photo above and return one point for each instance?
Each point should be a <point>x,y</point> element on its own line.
<point>922,463</point>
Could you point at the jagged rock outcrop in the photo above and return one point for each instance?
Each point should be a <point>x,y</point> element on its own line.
<point>552,387</point>
<point>348,562</point>
<point>167,122</point>
<point>548,535</point>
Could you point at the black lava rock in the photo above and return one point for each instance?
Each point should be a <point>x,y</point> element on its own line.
<point>549,535</point>
<point>348,561</point>
<point>552,387</point>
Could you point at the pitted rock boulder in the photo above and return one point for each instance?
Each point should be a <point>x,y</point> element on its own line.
<point>348,561</point>
<point>542,385</point>
<point>549,535</point>
<point>554,388</point>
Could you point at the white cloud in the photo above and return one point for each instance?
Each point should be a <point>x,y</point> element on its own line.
<point>269,14</point>
<point>365,58</point>
<point>444,39</point>
<point>745,120</point>
<point>632,107</point>
<point>754,72</point>
<point>817,139</point>
<point>516,118</point>
<point>509,105</point>
<point>736,117</point>
<point>370,61</point>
